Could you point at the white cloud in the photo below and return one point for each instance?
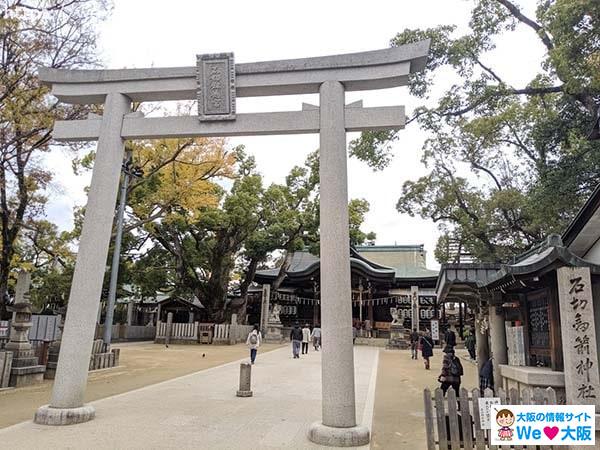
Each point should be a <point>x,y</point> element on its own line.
<point>143,33</point>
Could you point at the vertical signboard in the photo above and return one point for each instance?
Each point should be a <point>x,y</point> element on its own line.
<point>578,331</point>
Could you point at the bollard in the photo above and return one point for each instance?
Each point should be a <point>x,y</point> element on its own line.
<point>245,374</point>
<point>169,328</point>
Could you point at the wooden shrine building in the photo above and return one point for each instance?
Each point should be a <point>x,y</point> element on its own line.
<point>538,315</point>
<point>382,277</point>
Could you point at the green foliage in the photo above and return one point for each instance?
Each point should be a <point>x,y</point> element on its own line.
<point>508,164</point>
<point>53,33</point>
<point>357,210</point>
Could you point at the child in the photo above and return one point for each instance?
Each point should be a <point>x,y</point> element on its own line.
<point>253,342</point>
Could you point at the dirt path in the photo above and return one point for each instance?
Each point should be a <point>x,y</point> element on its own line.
<point>398,419</point>
<point>141,365</point>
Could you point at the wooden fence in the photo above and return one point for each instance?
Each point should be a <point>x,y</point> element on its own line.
<point>180,332</point>
<point>205,333</point>
<point>124,332</point>
<point>221,333</point>
<point>453,423</point>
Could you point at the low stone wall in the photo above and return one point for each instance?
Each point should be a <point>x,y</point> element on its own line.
<point>105,360</point>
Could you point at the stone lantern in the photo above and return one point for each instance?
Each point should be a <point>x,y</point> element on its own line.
<point>25,368</point>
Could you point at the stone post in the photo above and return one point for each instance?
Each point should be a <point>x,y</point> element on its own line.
<point>264,308</point>
<point>338,427</point>
<point>578,333</point>
<point>245,380</point>
<point>66,406</point>
<point>130,313</point>
<point>169,329</point>
<point>498,343</point>
<point>5,368</point>
<point>414,301</point>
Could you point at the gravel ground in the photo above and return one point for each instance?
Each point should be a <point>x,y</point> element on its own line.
<point>141,365</point>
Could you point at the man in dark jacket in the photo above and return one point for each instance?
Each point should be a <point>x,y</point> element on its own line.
<point>450,338</point>
<point>426,348</point>
<point>414,343</point>
<point>296,338</point>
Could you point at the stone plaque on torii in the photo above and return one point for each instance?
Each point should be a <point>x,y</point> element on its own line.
<point>216,81</point>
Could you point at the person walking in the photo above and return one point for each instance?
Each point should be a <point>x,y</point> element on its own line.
<point>368,328</point>
<point>354,333</point>
<point>414,343</point>
<point>452,370</point>
<point>450,338</point>
<point>426,348</point>
<point>253,342</point>
<point>296,338</point>
<point>305,339</point>
<point>316,337</point>
<point>470,344</point>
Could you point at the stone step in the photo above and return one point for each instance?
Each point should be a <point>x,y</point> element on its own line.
<point>25,362</point>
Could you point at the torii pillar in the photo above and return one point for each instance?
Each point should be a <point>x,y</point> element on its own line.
<point>339,425</point>
<point>215,82</point>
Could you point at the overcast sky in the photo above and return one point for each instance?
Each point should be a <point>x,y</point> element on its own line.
<point>144,33</point>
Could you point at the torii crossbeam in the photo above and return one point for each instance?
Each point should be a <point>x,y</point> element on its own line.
<point>216,82</point>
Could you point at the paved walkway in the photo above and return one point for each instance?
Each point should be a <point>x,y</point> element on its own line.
<point>201,411</point>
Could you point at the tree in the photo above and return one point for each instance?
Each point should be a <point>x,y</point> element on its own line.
<point>509,164</point>
<point>357,210</point>
<point>52,33</point>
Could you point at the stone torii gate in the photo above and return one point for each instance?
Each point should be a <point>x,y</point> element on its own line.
<point>216,82</point>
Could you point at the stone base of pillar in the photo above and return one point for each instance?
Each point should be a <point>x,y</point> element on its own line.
<point>243,393</point>
<point>339,437</point>
<point>50,373</point>
<point>26,376</point>
<point>274,334</point>
<point>47,415</point>
<point>398,339</point>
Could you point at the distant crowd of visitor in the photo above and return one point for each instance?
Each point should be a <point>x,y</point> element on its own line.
<point>452,369</point>
<point>299,337</point>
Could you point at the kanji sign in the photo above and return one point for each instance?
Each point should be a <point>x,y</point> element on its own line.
<point>582,382</point>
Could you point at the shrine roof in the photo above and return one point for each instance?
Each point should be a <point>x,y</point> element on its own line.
<point>548,256</point>
<point>462,280</point>
<point>397,262</point>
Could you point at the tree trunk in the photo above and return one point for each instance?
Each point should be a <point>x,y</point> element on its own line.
<point>221,265</point>
<point>250,272</point>
<point>289,254</point>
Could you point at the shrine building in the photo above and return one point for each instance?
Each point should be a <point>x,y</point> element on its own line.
<point>382,276</point>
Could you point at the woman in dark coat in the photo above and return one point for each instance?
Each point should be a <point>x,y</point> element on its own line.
<point>452,370</point>
<point>426,348</point>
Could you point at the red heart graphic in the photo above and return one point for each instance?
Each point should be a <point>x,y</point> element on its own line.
<point>551,432</point>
